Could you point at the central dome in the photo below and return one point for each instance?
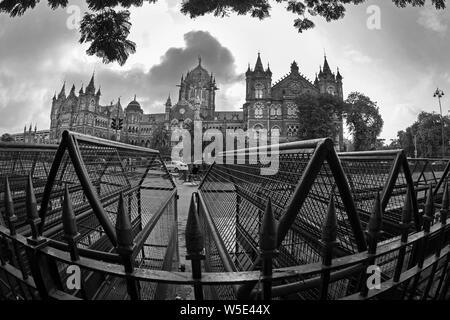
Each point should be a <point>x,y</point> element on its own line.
<point>134,106</point>
<point>198,74</point>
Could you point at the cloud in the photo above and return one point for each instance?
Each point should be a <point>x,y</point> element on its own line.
<point>432,19</point>
<point>357,56</point>
<point>32,52</point>
<point>28,81</point>
<point>152,86</point>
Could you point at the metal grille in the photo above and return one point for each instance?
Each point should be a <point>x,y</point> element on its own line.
<point>236,195</point>
<point>17,162</point>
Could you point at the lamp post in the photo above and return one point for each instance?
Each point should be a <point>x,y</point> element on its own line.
<point>439,94</point>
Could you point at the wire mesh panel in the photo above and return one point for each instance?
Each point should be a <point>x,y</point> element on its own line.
<point>18,162</point>
<point>385,173</point>
<point>235,196</point>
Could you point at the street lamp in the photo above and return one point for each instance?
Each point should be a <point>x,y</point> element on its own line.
<point>439,94</point>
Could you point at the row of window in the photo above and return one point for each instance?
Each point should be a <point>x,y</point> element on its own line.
<point>275,110</point>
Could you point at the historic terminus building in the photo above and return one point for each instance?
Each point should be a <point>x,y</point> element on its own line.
<point>267,105</point>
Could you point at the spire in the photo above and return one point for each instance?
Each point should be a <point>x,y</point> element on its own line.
<point>258,65</point>
<point>99,92</point>
<point>62,94</point>
<point>72,91</point>
<point>169,102</point>
<point>326,67</point>
<point>30,128</point>
<point>199,61</point>
<point>249,70</point>
<point>35,128</point>
<point>54,97</point>
<point>268,71</point>
<point>81,90</point>
<point>294,67</point>
<point>338,75</point>
<point>91,87</point>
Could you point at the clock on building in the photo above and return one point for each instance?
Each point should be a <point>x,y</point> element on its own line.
<point>182,111</point>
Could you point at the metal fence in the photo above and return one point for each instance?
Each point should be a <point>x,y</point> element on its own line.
<point>311,230</point>
<point>93,182</point>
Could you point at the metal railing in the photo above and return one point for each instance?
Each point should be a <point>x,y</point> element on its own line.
<point>99,199</point>
<point>307,232</point>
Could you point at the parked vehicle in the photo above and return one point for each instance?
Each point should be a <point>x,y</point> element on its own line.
<point>176,166</point>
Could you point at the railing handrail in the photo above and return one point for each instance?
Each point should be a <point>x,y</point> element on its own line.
<point>228,278</point>
<point>111,143</point>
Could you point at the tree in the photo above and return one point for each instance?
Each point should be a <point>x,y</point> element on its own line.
<point>318,115</point>
<point>160,140</point>
<point>426,134</point>
<point>364,121</point>
<point>107,26</point>
<point>6,137</point>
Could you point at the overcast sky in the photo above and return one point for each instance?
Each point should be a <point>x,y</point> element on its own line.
<point>399,66</point>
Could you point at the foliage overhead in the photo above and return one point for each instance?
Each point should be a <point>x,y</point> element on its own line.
<point>107,26</point>
<point>318,114</point>
<point>364,121</point>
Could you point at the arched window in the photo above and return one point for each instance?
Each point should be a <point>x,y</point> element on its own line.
<point>331,91</point>
<point>291,110</point>
<point>259,91</point>
<point>275,130</point>
<point>259,110</point>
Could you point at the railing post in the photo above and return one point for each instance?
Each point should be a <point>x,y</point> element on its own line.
<point>11,218</point>
<point>329,236</point>
<point>443,219</point>
<point>440,294</point>
<point>405,226</point>
<point>428,218</point>
<point>372,234</point>
<point>71,234</point>
<point>268,249</point>
<point>43,268</point>
<point>125,248</point>
<point>32,214</point>
<point>194,247</point>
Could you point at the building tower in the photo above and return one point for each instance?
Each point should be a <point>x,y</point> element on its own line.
<point>328,82</point>
<point>258,86</point>
<point>168,105</point>
<point>199,86</point>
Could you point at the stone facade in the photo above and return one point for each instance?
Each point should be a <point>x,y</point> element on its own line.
<point>273,106</point>
<point>267,106</point>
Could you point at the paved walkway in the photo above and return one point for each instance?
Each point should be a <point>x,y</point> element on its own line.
<point>185,191</point>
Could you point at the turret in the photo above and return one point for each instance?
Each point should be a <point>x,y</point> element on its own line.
<point>62,94</point>
<point>258,65</point>
<point>326,67</point>
<point>259,81</point>
<point>338,76</point>
<point>90,89</point>
<point>167,109</point>
<point>294,67</point>
<point>72,92</point>
<point>268,71</point>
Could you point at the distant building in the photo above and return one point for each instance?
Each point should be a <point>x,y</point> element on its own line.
<point>32,136</point>
<point>267,106</point>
